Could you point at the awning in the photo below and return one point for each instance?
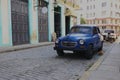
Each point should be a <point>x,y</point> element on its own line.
<point>69,12</point>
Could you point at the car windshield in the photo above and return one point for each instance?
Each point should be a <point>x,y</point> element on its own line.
<point>84,30</point>
<point>109,31</point>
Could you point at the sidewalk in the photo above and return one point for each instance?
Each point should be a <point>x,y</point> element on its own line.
<point>106,68</point>
<point>25,46</point>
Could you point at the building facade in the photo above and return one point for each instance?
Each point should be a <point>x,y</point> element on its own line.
<point>34,21</point>
<point>104,13</point>
<point>63,16</point>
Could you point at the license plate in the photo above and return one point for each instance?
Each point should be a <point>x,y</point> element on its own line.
<point>66,51</point>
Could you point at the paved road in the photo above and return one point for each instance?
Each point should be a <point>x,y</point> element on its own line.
<point>43,64</point>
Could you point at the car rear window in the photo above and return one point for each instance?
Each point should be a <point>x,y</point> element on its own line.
<point>84,30</point>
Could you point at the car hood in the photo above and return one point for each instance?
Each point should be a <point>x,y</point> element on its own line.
<point>74,37</point>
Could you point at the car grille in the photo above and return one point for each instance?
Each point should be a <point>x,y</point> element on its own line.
<point>69,44</point>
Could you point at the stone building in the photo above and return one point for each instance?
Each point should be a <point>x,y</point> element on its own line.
<point>34,21</point>
<point>104,13</point>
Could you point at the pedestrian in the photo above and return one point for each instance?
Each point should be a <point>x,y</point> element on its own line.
<point>54,37</point>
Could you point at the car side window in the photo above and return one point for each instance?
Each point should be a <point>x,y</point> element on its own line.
<point>98,30</point>
<point>95,30</point>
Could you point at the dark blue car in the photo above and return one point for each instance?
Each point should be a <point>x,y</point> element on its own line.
<point>82,38</point>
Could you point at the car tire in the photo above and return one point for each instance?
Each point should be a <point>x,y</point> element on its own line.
<point>60,53</point>
<point>89,52</point>
<point>101,47</point>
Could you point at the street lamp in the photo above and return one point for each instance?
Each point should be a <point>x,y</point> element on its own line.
<point>40,4</point>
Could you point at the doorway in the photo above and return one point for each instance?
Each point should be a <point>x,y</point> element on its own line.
<point>67,25</point>
<point>43,23</point>
<point>20,22</point>
<point>57,21</point>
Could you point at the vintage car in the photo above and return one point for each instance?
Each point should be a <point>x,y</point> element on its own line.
<point>82,38</point>
<point>110,35</point>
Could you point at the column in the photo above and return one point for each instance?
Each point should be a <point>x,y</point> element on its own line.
<point>5,23</point>
<point>50,19</point>
<point>33,21</point>
<point>62,21</point>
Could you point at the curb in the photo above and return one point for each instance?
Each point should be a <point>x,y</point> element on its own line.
<point>23,47</point>
<point>87,73</point>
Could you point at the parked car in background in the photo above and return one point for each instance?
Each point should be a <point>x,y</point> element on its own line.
<point>82,38</point>
<point>109,35</point>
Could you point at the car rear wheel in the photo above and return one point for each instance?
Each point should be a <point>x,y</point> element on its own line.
<point>60,53</point>
<point>89,52</point>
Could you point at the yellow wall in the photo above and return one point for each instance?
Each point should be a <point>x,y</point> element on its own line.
<point>72,3</point>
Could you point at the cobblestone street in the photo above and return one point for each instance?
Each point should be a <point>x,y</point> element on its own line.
<point>42,63</point>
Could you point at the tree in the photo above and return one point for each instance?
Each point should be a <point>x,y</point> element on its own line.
<point>82,21</point>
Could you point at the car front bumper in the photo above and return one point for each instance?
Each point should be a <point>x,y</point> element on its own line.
<point>80,48</point>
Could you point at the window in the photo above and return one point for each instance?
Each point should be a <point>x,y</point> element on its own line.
<point>111,21</point>
<point>95,30</point>
<point>111,13</point>
<point>111,4</point>
<point>93,6</point>
<point>81,15</point>
<point>90,22</point>
<point>93,21</point>
<point>103,27</point>
<point>81,29</point>
<point>111,27</point>
<point>87,7</point>
<point>103,21</point>
<point>104,4</point>
<point>115,5</point>
<point>116,21</point>
<point>93,14</point>
<point>98,21</point>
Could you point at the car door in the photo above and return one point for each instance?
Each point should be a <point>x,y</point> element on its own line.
<point>96,37</point>
<point>100,37</point>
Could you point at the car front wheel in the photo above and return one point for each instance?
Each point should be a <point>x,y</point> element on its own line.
<point>89,52</point>
<point>60,53</point>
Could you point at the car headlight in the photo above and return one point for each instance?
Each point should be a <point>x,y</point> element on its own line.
<point>57,41</point>
<point>81,41</point>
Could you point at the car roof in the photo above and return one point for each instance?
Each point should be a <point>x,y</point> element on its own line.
<point>86,25</point>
